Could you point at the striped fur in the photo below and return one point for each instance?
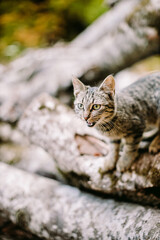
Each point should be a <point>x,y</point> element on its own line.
<point>124,115</point>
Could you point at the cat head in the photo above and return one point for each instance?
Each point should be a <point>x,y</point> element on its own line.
<point>95,105</point>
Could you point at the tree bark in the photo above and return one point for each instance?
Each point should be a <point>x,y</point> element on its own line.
<point>16,150</point>
<point>51,210</point>
<point>80,153</point>
<point>10,231</point>
<point>131,36</point>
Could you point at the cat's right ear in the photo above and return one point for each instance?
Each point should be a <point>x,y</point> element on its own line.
<point>108,85</point>
<point>78,86</point>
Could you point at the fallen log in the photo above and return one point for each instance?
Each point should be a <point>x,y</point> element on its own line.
<point>80,153</point>
<point>15,150</point>
<point>10,231</point>
<point>51,210</point>
<point>131,36</point>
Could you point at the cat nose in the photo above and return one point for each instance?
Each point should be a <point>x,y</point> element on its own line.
<point>86,116</point>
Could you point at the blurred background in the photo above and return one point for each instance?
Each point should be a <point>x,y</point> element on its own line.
<point>41,23</point>
<point>44,42</point>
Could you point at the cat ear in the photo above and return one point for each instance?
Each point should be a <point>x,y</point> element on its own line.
<point>78,86</point>
<point>108,85</point>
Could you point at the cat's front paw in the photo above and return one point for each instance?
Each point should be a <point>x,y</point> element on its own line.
<point>125,162</point>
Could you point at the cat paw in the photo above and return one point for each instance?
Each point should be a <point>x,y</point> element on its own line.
<point>121,167</point>
<point>155,145</point>
<point>124,163</point>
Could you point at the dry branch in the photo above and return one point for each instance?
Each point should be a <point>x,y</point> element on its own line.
<point>131,33</point>
<point>53,211</point>
<point>80,153</point>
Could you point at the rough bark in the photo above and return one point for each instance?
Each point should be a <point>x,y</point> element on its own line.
<point>16,150</point>
<point>10,231</point>
<point>80,153</point>
<point>133,35</point>
<point>53,211</point>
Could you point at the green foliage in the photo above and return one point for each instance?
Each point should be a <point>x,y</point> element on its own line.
<point>41,23</point>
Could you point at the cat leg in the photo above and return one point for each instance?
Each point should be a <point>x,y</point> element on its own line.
<point>155,144</point>
<point>112,157</point>
<point>130,152</point>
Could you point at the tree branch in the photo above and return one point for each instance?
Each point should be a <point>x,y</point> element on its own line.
<point>80,153</point>
<point>53,211</point>
<point>16,150</point>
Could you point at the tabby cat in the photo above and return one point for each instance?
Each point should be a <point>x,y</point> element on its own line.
<point>122,115</point>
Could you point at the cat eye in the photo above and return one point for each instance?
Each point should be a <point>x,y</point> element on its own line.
<point>80,105</point>
<point>96,106</point>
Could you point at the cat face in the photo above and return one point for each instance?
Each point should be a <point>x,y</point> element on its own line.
<point>92,104</point>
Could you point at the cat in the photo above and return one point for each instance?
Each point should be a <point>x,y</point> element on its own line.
<point>123,115</point>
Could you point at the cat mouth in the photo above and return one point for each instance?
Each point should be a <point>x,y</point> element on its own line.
<point>89,124</point>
